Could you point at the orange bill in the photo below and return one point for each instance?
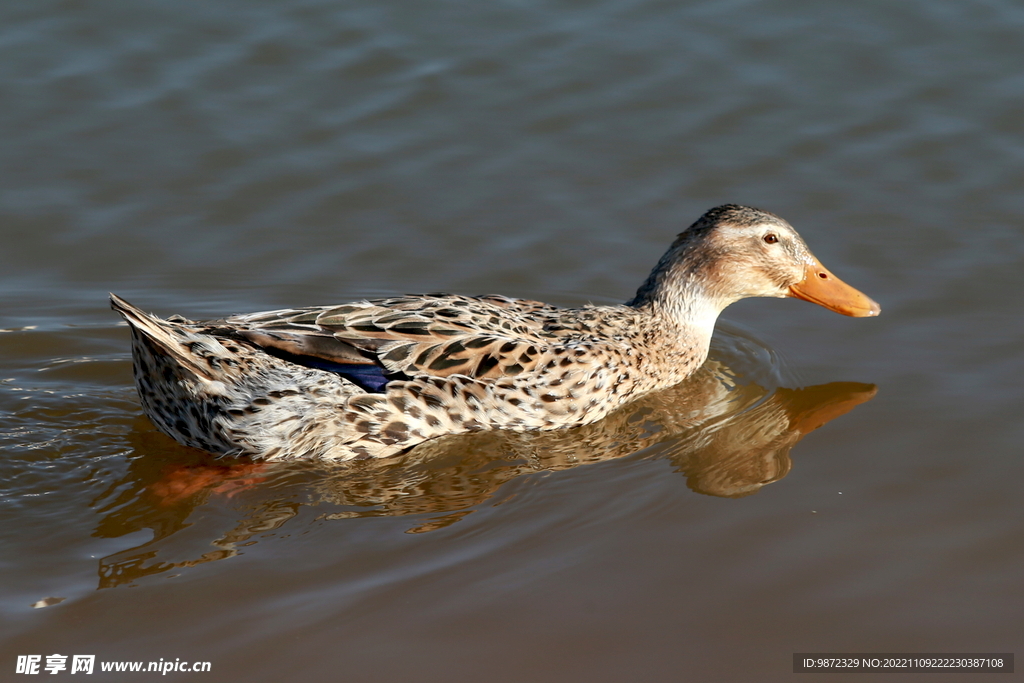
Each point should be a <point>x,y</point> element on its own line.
<point>821,287</point>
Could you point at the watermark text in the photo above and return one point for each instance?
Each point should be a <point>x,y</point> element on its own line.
<point>87,664</point>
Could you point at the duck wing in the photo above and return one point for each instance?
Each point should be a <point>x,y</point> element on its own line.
<point>432,335</point>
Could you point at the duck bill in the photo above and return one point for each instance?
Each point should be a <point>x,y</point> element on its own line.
<point>821,287</point>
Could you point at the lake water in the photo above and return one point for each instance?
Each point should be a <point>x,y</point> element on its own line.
<point>229,157</point>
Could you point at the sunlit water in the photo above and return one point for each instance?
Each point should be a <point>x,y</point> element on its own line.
<point>825,484</point>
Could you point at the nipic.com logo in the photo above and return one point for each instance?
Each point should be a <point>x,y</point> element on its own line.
<point>30,664</point>
<point>86,664</point>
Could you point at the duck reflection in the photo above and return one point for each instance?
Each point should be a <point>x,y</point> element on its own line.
<point>726,436</point>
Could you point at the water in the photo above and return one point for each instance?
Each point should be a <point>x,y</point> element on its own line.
<point>244,156</point>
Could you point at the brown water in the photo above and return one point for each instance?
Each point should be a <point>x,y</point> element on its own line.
<point>228,157</point>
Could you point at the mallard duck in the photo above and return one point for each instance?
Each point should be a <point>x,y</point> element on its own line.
<point>370,379</point>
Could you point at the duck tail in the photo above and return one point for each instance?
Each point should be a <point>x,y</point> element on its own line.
<point>165,338</point>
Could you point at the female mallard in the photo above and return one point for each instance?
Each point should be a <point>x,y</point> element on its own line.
<point>372,378</point>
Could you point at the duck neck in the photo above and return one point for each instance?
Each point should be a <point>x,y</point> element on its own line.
<point>676,295</point>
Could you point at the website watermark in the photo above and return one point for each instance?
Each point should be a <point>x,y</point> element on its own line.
<point>87,664</point>
<point>903,662</point>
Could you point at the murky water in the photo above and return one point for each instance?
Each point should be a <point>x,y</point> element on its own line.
<point>825,484</point>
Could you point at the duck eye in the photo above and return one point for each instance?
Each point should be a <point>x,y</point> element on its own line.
<point>771,238</point>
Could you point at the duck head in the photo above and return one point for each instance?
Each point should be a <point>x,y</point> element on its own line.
<point>734,252</point>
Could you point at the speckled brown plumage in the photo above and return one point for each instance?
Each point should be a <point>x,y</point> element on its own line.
<point>372,378</point>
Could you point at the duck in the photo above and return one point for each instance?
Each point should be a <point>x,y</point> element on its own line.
<point>373,378</point>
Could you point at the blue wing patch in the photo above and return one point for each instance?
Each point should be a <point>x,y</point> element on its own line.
<point>366,376</point>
